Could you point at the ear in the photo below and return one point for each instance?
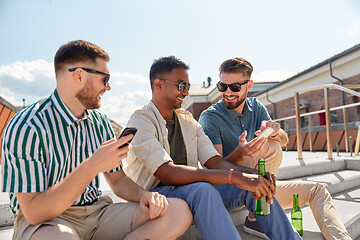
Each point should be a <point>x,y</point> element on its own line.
<point>158,84</point>
<point>250,84</point>
<point>77,76</point>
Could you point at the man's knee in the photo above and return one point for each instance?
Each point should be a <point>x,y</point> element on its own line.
<point>179,210</point>
<point>54,232</point>
<point>320,191</point>
<point>273,155</point>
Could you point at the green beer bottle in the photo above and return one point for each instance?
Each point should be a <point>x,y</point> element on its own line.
<point>262,206</point>
<point>296,215</point>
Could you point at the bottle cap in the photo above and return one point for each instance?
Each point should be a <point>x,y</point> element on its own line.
<point>261,160</point>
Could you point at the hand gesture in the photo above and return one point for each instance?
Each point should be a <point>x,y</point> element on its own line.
<point>251,148</point>
<point>109,156</point>
<point>154,204</point>
<point>259,186</point>
<point>270,123</point>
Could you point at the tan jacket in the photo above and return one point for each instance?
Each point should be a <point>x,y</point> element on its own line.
<point>150,146</point>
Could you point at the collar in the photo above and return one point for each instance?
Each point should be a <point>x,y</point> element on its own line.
<point>64,112</point>
<point>177,112</point>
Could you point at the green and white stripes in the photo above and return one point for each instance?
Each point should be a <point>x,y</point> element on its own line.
<point>43,143</point>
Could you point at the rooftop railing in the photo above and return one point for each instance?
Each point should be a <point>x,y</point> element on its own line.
<point>298,115</point>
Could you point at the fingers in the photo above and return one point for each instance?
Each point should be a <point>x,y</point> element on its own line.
<point>242,137</point>
<point>157,204</point>
<point>253,147</point>
<point>274,125</point>
<point>269,189</point>
<point>123,140</point>
<point>165,205</point>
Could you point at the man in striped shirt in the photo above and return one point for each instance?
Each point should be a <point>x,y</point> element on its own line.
<point>53,151</point>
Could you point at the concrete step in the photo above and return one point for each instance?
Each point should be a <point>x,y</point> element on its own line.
<point>347,203</point>
<point>337,174</point>
<point>340,184</point>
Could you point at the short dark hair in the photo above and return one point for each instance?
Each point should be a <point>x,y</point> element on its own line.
<point>78,51</point>
<point>164,65</point>
<point>236,65</point>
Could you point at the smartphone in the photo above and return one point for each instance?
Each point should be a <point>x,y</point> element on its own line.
<point>127,131</point>
<point>266,132</point>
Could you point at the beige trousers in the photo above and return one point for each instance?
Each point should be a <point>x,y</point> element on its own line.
<point>310,193</point>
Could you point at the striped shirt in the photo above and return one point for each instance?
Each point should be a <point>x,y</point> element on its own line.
<point>45,142</point>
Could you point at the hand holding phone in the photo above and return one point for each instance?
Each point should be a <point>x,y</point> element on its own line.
<point>266,132</point>
<point>127,131</point>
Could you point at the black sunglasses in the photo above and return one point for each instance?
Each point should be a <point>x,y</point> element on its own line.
<point>182,85</point>
<point>107,76</point>
<point>235,87</point>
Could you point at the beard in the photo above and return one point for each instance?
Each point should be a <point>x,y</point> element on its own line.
<point>233,105</point>
<point>88,98</point>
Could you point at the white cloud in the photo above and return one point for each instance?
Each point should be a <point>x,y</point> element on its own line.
<point>120,78</point>
<point>8,95</point>
<point>29,80</point>
<point>33,80</point>
<point>271,76</point>
<point>28,71</point>
<point>119,108</point>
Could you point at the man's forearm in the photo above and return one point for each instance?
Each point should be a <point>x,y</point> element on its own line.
<point>215,163</point>
<point>178,175</point>
<point>124,187</point>
<point>235,157</point>
<point>43,206</point>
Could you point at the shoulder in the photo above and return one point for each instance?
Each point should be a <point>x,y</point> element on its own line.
<point>98,115</point>
<point>33,115</point>
<point>213,112</point>
<point>26,124</point>
<point>254,102</point>
<point>145,116</point>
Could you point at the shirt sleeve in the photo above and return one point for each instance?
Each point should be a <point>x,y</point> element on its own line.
<point>145,144</point>
<point>211,130</point>
<point>206,148</point>
<point>22,159</point>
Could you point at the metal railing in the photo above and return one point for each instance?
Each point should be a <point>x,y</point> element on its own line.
<point>297,116</point>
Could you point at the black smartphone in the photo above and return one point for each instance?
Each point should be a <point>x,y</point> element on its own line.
<point>127,131</point>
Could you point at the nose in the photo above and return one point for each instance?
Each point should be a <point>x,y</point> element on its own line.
<point>228,91</point>
<point>107,87</point>
<point>185,92</point>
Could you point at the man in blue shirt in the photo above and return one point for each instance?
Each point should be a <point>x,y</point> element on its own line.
<point>232,125</point>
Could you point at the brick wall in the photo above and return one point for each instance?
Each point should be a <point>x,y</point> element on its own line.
<point>286,107</point>
<point>197,108</point>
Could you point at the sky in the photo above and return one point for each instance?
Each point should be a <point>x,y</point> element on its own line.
<point>279,37</point>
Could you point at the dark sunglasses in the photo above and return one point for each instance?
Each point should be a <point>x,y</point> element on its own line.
<point>107,76</point>
<point>182,85</point>
<point>235,87</point>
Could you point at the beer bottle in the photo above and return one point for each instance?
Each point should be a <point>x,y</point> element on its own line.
<point>296,215</point>
<point>262,206</point>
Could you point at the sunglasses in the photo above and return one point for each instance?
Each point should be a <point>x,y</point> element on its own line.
<point>107,76</point>
<point>235,87</point>
<point>182,85</point>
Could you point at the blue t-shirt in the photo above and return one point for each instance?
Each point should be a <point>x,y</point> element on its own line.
<point>224,126</point>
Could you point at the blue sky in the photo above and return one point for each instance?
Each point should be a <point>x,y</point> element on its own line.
<point>280,38</point>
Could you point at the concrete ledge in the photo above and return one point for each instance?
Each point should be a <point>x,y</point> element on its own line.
<point>303,168</point>
<point>353,226</point>
<point>6,216</point>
